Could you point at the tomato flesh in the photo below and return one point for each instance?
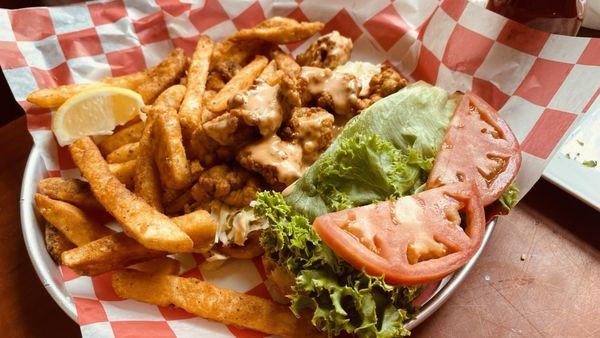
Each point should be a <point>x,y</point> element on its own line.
<point>414,240</point>
<point>478,146</point>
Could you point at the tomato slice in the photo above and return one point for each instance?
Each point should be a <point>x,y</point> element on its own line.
<point>414,240</point>
<point>478,146</point>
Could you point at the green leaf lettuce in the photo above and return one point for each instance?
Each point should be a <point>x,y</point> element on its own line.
<point>386,152</point>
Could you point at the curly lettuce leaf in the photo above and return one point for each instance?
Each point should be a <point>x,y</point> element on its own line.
<point>340,298</point>
<point>384,152</point>
<point>510,197</point>
<point>367,169</point>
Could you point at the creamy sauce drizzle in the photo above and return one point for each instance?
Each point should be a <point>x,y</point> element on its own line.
<point>285,156</point>
<point>343,90</point>
<point>311,130</point>
<point>363,71</point>
<point>341,44</point>
<point>262,109</point>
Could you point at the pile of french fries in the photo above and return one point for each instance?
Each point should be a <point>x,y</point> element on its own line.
<point>140,178</point>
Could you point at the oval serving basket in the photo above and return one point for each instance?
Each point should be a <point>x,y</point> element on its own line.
<point>50,275</point>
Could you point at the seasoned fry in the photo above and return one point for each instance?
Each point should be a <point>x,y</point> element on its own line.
<point>239,52</point>
<point>108,253</point>
<point>279,30</point>
<point>170,195</point>
<point>129,81</point>
<point>171,97</point>
<point>124,172</point>
<point>286,63</point>
<point>164,75</point>
<point>70,220</point>
<point>56,242</point>
<point>111,252</point>
<point>270,75</point>
<point>241,81</point>
<point>169,154</point>
<point>159,266</point>
<point>71,190</point>
<point>146,179</point>
<point>128,134</point>
<point>56,96</point>
<point>211,302</point>
<point>144,223</point>
<point>124,153</point>
<point>201,228</point>
<point>191,108</point>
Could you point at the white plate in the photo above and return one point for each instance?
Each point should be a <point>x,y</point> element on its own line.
<point>51,278</point>
<point>571,176</point>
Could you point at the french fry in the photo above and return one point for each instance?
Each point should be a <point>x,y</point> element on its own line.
<point>169,152</point>
<point>70,220</point>
<point>201,228</point>
<point>129,81</point>
<point>108,253</point>
<point>279,30</point>
<point>128,134</point>
<point>142,222</point>
<point>56,96</point>
<point>171,97</point>
<point>146,178</point>
<point>170,195</point>
<point>286,63</point>
<point>241,81</point>
<point>56,242</point>
<point>164,75</point>
<point>124,153</point>
<point>71,190</point>
<point>191,108</point>
<point>124,172</point>
<point>159,266</point>
<point>118,251</point>
<point>239,52</point>
<point>211,302</point>
<point>270,75</point>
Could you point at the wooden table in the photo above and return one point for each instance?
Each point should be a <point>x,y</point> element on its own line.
<point>539,276</point>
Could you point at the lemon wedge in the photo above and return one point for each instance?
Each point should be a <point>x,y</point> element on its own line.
<point>95,111</point>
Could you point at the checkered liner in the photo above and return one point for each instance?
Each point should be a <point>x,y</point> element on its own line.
<point>539,82</point>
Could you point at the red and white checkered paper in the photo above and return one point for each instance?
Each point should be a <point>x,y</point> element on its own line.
<point>540,83</point>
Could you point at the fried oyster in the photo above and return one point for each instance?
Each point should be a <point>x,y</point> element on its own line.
<point>385,83</point>
<point>328,51</point>
<point>312,128</point>
<point>279,162</point>
<point>233,186</point>
<point>322,87</point>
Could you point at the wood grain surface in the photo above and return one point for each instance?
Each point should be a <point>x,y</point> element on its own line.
<point>539,275</point>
